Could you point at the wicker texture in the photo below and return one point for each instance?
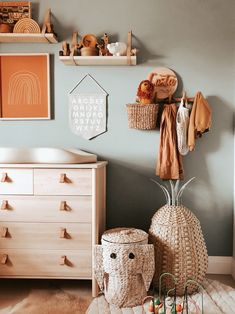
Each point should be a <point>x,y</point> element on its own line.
<point>124,271</point>
<point>179,247</point>
<point>143,117</point>
<point>125,236</point>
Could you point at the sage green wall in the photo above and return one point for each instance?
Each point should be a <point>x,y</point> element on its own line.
<point>195,39</point>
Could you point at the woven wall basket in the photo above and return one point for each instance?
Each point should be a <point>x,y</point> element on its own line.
<point>179,246</point>
<point>143,117</point>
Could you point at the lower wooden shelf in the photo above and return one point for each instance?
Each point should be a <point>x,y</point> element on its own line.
<point>28,37</point>
<point>98,60</point>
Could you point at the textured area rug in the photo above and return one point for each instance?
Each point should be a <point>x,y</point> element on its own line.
<point>49,302</point>
<point>217,298</point>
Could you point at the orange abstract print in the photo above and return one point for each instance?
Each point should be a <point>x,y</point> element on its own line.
<point>24,86</point>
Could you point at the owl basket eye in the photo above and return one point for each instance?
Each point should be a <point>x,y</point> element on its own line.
<point>131,255</point>
<point>113,255</point>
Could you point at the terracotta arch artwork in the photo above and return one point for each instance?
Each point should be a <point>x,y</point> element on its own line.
<point>25,86</point>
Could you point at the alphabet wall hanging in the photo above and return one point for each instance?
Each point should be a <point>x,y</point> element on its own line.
<point>87,110</point>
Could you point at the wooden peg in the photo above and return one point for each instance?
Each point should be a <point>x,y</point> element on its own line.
<point>63,205</point>
<point>63,178</point>
<point>4,232</point>
<point>4,205</point>
<point>63,233</point>
<point>4,177</point>
<point>4,258</point>
<point>63,260</point>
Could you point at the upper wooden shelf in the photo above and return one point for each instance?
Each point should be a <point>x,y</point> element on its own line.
<point>98,60</point>
<point>26,32</point>
<point>28,37</point>
<point>70,56</point>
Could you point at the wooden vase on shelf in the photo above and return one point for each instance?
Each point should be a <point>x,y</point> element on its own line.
<point>179,244</point>
<point>89,51</point>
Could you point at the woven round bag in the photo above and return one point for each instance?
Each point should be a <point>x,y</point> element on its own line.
<point>179,246</point>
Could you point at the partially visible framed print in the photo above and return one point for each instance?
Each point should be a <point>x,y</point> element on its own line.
<point>24,86</point>
<point>12,11</point>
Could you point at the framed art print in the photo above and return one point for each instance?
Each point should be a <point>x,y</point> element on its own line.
<point>24,86</point>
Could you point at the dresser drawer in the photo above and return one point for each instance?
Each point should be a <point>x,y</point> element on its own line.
<point>45,208</point>
<point>45,263</point>
<point>64,236</point>
<point>62,181</point>
<point>16,181</point>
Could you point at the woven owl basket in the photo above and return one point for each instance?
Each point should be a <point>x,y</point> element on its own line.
<point>179,247</point>
<point>124,266</point>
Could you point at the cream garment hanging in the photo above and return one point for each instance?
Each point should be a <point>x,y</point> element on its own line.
<point>182,123</point>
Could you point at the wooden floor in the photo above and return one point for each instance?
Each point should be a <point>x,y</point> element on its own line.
<point>13,291</point>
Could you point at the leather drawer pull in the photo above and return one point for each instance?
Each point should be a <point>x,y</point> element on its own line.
<point>63,178</point>
<point>4,177</point>
<point>4,232</point>
<point>4,205</point>
<point>63,233</point>
<point>63,260</point>
<point>63,205</point>
<point>4,258</point>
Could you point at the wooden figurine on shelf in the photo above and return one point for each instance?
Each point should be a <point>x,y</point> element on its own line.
<point>145,92</point>
<point>117,49</point>
<point>65,49</point>
<point>103,51</point>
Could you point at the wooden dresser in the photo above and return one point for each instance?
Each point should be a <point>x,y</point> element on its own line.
<point>50,218</point>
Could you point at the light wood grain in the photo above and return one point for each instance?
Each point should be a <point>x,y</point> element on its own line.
<point>30,38</point>
<point>98,214</point>
<point>45,263</point>
<point>46,236</point>
<point>50,232</point>
<point>46,209</point>
<point>18,181</point>
<point>76,182</point>
<point>98,60</point>
<point>94,165</point>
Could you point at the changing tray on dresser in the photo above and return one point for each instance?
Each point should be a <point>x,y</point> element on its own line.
<point>51,216</point>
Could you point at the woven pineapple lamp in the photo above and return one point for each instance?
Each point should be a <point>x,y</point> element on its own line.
<point>178,241</point>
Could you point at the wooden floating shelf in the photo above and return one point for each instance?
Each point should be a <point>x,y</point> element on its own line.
<point>28,38</point>
<point>98,60</point>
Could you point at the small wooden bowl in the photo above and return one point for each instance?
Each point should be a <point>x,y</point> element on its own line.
<point>89,51</point>
<point>6,28</point>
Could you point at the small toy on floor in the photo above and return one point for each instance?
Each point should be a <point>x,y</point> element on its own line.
<point>164,304</point>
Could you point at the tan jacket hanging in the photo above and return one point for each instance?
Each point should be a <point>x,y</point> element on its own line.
<point>200,119</point>
<point>169,163</point>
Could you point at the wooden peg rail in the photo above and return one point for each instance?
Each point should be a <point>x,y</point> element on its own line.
<point>174,100</point>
